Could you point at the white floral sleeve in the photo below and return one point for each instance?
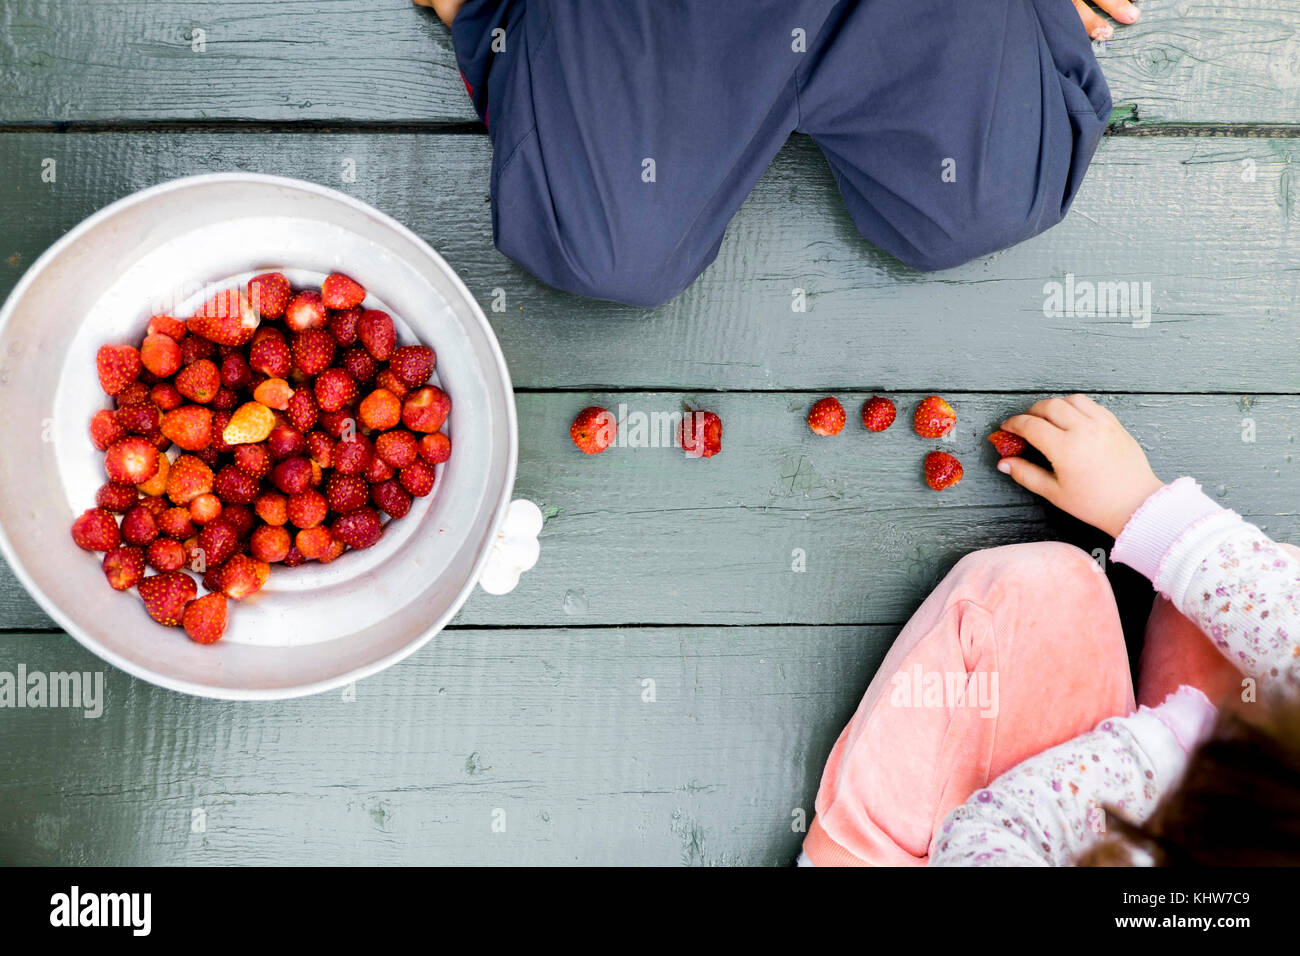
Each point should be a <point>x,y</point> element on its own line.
<point>1243,590</point>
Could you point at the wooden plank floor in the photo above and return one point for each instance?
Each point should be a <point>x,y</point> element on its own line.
<point>653,567</point>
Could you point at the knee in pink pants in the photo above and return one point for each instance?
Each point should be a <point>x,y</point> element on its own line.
<point>1018,649</point>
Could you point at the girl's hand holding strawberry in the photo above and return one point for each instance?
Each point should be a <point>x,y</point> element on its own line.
<point>1099,473</point>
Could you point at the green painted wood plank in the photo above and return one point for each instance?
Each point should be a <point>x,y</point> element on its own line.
<point>547,726</point>
<point>642,535</point>
<point>1206,227</point>
<point>1191,61</point>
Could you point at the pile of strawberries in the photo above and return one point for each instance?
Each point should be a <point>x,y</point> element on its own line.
<point>274,426</point>
<point>933,418</point>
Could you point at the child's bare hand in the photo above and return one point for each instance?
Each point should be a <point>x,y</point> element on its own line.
<point>1100,473</point>
<point>1097,27</point>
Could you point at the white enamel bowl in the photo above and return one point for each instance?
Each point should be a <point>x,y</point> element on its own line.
<point>311,628</point>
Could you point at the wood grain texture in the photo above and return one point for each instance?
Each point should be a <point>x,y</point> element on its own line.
<point>643,535</point>
<point>549,727</point>
<point>1205,227</point>
<point>1186,61</point>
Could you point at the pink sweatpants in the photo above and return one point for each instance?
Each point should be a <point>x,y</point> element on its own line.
<point>1018,649</point>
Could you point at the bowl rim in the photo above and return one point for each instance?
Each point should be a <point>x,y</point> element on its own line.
<point>501,505</point>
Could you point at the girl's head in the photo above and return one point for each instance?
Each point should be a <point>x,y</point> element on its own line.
<point>1237,805</point>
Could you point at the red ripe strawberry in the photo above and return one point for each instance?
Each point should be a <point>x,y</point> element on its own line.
<point>139,526</point>
<point>878,413</point>
<point>167,325</point>
<point>205,508</point>
<point>269,294</point>
<point>132,460</point>
<point>1007,444</point>
<point>165,596</point>
<point>417,477</point>
<point>312,543</point>
<point>155,503</point>
<point>295,557</point>
<point>343,326</point>
<point>95,530</point>
<point>225,401</point>
<point>176,523</point>
<point>426,409</point>
<point>200,381</point>
<point>934,418</point>
<point>166,554</point>
<point>380,410</point>
<point>359,363</point>
<point>160,355</point>
<point>320,448</point>
<point>217,542</point>
<point>235,371</point>
<point>234,487</point>
<point>189,477</point>
<point>313,351</point>
<point>124,567</point>
<point>346,493</point>
<point>137,393</point>
<point>272,507</point>
<point>118,367</point>
<point>390,382</point>
<point>166,396</point>
<point>301,410</point>
<point>253,460</point>
<point>205,618</point>
<point>378,470</point>
<point>307,508</point>
<point>360,529</point>
<point>334,389</point>
<point>826,417</point>
<point>270,355</point>
<point>270,543</point>
<point>104,429</point>
<point>942,470</point>
<point>226,319</point>
<point>239,518</point>
<point>352,457</point>
<point>138,419</point>
<point>219,444</point>
<point>592,431</point>
<point>701,434</point>
<point>116,498</point>
<point>189,426</point>
<point>285,442</point>
<point>274,393</point>
<point>242,576</point>
<point>336,549</point>
<point>337,424</point>
<point>391,497</point>
<point>341,292</point>
<point>194,348</point>
<point>305,311</point>
<point>292,476</point>
<point>436,448</point>
<point>377,334</point>
<point>413,364</point>
<point>399,448</point>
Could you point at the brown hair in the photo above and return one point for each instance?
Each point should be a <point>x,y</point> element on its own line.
<point>1238,803</point>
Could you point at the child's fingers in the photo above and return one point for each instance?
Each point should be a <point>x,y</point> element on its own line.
<point>1097,28</point>
<point>1029,476</point>
<point>1058,411</point>
<point>1039,432</point>
<point>1121,10</point>
<point>1086,406</point>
